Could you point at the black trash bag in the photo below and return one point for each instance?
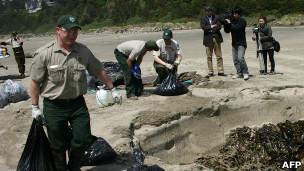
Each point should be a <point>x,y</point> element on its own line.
<point>140,158</point>
<point>3,100</point>
<point>14,91</point>
<point>37,153</point>
<point>92,82</point>
<point>114,73</point>
<point>100,152</point>
<point>171,86</point>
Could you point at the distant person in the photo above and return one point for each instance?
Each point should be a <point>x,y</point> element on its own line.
<point>58,74</point>
<point>237,29</point>
<point>265,34</point>
<point>212,40</point>
<point>169,55</point>
<point>129,55</point>
<point>16,43</point>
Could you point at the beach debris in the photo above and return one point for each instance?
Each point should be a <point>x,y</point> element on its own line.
<point>266,148</point>
<point>196,78</point>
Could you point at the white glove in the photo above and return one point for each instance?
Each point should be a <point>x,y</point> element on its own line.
<point>36,113</point>
<point>169,66</point>
<point>176,63</point>
<point>116,96</point>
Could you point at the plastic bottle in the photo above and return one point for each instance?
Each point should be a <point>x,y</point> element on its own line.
<point>102,97</point>
<point>4,51</point>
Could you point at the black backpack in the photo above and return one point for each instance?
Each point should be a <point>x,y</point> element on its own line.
<point>276,45</point>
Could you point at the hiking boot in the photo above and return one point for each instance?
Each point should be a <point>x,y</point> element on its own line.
<point>246,76</point>
<point>237,76</point>
<point>271,72</point>
<point>155,82</point>
<point>263,72</point>
<point>222,74</point>
<point>211,75</point>
<point>22,75</point>
<point>75,160</point>
<point>60,161</point>
<point>132,97</point>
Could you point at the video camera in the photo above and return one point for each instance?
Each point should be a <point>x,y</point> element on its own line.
<point>228,15</point>
<point>255,28</point>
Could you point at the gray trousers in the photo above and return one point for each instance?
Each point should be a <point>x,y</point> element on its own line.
<point>239,60</point>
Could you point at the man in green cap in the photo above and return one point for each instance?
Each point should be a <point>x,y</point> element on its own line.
<point>169,55</point>
<point>58,74</point>
<point>129,55</point>
<point>16,44</point>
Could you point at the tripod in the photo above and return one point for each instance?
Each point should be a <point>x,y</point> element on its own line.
<point>259,51</point>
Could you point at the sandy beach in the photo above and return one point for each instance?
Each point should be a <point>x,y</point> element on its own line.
<point>173,130</point>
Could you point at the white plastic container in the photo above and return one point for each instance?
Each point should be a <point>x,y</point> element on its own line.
<point>102,97</point>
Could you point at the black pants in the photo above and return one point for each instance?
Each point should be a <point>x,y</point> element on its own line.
<point>270,54</point>
<point>20,58</point>
<point>133,85</point>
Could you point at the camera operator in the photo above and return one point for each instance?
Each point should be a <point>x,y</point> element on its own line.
<point>265,37</point>
<point>212,40</point>
<point>239,45</point>
<point>16,44</point>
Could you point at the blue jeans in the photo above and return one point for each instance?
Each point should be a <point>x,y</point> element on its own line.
<point>239,60</point>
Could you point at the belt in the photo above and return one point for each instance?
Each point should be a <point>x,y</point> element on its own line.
<point>64,100</point>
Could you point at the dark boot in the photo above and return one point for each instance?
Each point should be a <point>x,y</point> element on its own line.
<point>263,72</point>
<point>22,75</point>
<point>74,161</point>
<point>60,161</point>
<point>155,82</point>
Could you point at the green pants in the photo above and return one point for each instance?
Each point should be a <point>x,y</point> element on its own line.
<point>133,85</point>
<point>58,114</point>
<point>161,70</point>
<point>20,58</point>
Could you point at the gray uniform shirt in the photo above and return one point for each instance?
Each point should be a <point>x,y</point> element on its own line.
<point>168,52</point>
<point>132,48</point>
<point>63,75</point>
<point>13,42</point>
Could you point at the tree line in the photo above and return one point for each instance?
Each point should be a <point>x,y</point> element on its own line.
<point>104,13</point>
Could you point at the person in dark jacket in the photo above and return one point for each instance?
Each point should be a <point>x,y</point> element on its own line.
<point>237,29</point>
<point>212,40</point>
<point>265,34</point>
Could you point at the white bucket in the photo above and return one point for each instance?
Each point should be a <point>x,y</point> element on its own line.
<point>102,97</point>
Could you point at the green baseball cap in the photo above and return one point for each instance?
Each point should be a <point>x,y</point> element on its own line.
<point>151,44</point>
<point>68,21</point>
<point>14,33</point>
<point>167,34</point>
